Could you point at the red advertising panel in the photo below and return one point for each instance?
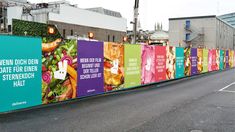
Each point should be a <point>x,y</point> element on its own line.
<point>160,63</point>
<point>214,65</point>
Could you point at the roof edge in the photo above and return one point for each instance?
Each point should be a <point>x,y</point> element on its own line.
<point>194,17</point>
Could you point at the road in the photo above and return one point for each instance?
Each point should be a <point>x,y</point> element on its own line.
<point>188,105</point>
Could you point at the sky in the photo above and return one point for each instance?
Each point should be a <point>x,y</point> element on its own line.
<point>158,11</point>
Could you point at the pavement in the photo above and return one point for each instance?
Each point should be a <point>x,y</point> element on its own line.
<point>201,104</point>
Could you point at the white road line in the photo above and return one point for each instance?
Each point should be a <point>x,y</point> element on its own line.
<point>227,87</point>
<point>228,91</point>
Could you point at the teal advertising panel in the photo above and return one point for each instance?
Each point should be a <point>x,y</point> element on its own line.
<point>179,62</point>
<point>221,65</point>
<point>132,64</point>
<point>20,72</point>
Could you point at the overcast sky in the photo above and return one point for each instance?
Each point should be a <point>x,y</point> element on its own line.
<point>152,11</point>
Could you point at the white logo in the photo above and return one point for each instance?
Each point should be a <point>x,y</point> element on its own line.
<point>148,65</point>
<point>114,69</point>
<point>61,73</point>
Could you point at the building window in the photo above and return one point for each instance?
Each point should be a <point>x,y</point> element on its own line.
<point>72,32</point>
<point>9,28</point>
<point>108,38</point>
<point>64,32</point>
<point>113,38</point>
<point>187,36</point>
<point>188,24</point>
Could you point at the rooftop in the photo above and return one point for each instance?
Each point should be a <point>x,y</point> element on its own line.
<point>105,11</point>
<point>194,17</point>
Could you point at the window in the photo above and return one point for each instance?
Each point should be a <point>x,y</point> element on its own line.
<point>187,36</point>
<point>188,24</point>
<point>108,38</point>
<point>113,38</point>
<point>72,32</point>
<point>9,28</point>
<point>64,32</point>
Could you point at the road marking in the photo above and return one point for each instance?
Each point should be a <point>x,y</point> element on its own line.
<point>223,89</point>
<point>228,91</point>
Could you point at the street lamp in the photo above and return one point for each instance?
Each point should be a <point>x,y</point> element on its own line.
<point>91,35</point>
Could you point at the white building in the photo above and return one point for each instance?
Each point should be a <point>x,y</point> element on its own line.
<point>71,20</point>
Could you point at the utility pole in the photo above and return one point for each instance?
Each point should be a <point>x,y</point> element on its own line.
<point>136,14</point>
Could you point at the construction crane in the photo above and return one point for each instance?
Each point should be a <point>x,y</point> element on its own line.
<point>136,14</point>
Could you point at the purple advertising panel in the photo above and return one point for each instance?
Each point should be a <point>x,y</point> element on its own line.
<point>90,68</point>
<point>194,61</point>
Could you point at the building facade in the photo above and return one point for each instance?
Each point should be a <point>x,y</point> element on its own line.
<point>71,21</point>
<point>4,4</point>
<point>203,31</point>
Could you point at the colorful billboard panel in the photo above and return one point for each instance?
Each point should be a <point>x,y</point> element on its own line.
<point>194,61</point>
<point>210,60</point>
<point>231,55</point>
<point>214,65</point>
<point>57,85</point>
<point>199,60</point>
<point>221,60</point>
<point>90,68</point>
<point>227,59</point>
<point>20,72</point>
<point>205,60</point>
<point>234,58</point>
<point>160,63</point>
<point>179,64</point>
<point>187,61</point>
<point>113,66</point>
<point>148,64</point>
<point>170,62</point>
<point>217,59</point>
<point>132,62</point>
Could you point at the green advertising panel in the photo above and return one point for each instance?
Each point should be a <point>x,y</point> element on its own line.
<point>221,64</point>
<point>205,60</point>
<point>179,62</point>
<point>132,63</point>
<point>20,72</point>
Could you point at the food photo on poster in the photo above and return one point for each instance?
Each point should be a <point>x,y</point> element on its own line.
<point>199,60</point>
<point>170,62</point>
<point>210,60</point>
<point>148,64</point>
<point>113,66</point>
<point>187,61</point>
<point>231,52</point>
<point>59,71</point>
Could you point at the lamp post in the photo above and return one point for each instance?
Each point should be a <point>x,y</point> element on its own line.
<point>136,13</point>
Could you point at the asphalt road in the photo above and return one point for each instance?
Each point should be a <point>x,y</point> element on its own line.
<point>194,105</point>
